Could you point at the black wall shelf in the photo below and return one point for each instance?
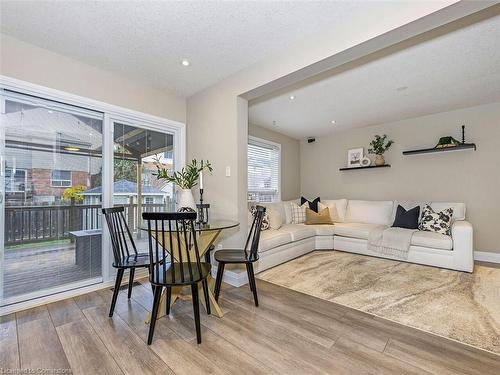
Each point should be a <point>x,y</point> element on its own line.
<point>460,147</point>
<point>368,167</point>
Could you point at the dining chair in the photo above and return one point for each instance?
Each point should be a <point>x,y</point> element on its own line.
<point>172,236</point>
<point>124,251</point>
<point>247,256</point>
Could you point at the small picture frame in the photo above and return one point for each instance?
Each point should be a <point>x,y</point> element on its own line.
<point>354,157</point>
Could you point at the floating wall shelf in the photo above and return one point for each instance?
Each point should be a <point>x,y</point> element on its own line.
<point>370,166</point>
<point>460,147</point>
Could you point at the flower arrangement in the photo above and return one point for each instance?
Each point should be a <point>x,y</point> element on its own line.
<point>379,146</point>
<point>187,177</point>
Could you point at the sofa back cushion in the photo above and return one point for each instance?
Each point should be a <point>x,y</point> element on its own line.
<point>340,205</point>
<point>370,212</point>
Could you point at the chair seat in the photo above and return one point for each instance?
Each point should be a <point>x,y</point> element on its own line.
<point>132,261</point>
<point>233,256</point>
<point>174,275</point>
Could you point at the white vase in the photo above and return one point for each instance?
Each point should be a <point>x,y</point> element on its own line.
<point>185,199</point>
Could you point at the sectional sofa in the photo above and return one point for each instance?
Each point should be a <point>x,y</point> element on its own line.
<point>356,219</point>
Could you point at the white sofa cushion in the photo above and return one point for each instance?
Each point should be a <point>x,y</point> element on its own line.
<point>340,206</point>
<point>298,231</point>
<point>458,209</point>
<point>370,212</point>
<point>269,239</point>
<point>287,209</point>
<point>432,240</point>
<point>321,229</point>
<point>355,230</point>
<point>275,218</point>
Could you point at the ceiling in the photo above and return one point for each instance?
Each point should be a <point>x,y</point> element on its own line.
<point>147,40</point>
<point>445,71</point>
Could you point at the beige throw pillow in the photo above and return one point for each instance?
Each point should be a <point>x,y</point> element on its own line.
<point>275,219</point>
<point>332,208</point>
<point>321,217</point>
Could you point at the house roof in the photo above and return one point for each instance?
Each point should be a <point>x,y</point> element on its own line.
<point>125,187</point>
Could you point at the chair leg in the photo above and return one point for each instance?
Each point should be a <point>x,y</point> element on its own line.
<point>254,285</point>
<point>196,309</point>
<point>218,280</point>
<point>249,275</point>
<point>154,313</point>
<point>131,281</point>
<point>118,281</point>
<point>169,297</point>
<point>205,292</point>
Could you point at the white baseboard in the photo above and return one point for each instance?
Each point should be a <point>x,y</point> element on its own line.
<point>235,278</point>
<point>484,256</point>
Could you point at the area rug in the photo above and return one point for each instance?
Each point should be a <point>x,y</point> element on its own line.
<point>458,305</point>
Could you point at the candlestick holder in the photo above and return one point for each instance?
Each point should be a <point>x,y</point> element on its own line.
<point>203,208</point>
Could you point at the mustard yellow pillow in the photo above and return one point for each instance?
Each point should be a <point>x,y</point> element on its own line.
<point>321,217</point>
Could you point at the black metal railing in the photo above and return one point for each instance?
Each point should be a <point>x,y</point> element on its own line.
<point>29,224</point>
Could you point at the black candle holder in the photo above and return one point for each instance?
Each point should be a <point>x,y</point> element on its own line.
<point>203,209</point>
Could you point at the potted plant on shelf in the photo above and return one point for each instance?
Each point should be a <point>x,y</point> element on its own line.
<point>379,145</point>
<point>185,180</point>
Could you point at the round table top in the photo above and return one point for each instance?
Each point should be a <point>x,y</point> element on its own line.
<point>213,224</point>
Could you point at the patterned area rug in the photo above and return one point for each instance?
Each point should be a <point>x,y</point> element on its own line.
<point>461,306</point>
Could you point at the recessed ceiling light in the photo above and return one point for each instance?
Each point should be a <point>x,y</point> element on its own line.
<point>333,122</point>
<point>185,62</point>
<point>50,111</point>
<point>292,97</point>
<point>402,88</point>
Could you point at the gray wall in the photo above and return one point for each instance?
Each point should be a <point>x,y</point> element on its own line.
<point>472,177</point>
<point>290,159</point>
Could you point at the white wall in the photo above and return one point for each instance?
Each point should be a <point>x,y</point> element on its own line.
<point>290,159</point>
<point>33,64</point>
<point>217,118</point>
<point>472,177</point>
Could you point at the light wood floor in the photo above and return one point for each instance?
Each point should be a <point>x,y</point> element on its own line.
<point>290,333</point>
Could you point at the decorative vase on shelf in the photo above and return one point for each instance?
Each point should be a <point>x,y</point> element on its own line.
<point>185,199</point>
<point>379,160</point>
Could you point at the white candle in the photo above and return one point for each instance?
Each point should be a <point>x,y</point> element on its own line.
<point>201,180</point>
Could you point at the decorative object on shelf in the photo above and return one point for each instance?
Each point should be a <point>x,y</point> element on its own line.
<point>185,179</point>
<point>366,162</point>
<point>354,157</point>
<point>378,147</point>
<point>445,144</point>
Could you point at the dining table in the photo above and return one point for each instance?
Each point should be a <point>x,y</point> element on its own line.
<point>206,234</point>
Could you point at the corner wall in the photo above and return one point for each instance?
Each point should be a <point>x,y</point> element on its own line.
<point>472,177</point>
<point>290,159</point>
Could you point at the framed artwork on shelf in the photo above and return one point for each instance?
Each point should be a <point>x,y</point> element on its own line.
<point>354,157</point>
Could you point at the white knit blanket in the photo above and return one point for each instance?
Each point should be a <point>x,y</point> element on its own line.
<point>390,241</point>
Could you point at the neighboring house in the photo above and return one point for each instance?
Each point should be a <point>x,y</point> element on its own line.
<point>40,161</point>
<point>125,192</point>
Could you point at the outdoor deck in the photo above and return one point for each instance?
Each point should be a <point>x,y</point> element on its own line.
<point>48,265</point>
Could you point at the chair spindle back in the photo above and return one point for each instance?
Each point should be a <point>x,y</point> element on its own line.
<point>119,233</point>
<point>254,234</point>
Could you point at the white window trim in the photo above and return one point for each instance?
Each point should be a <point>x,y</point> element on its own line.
<point>275,144</point>
<point>111,113</point>
<point>59,180</point>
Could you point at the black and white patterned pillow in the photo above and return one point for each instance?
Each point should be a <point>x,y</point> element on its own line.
<point>265,220</point>
<point>298,212</point>
<point>439,222</point>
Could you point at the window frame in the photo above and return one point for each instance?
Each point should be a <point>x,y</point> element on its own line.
<point>25,171</point>
<point>273,144</point>
<point>61,180</point>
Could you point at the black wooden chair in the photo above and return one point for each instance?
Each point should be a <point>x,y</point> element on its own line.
<point>124,251</point>
<point>169,235</point>
<point>246,256</point>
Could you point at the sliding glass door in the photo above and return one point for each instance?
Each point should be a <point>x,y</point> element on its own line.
<point>50,238</point>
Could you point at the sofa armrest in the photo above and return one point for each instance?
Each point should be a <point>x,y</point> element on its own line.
<point>463,249</point>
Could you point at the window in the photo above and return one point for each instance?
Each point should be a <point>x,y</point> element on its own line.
<point>61,178</point>
<point>15,180</point>
<point>264,174</point>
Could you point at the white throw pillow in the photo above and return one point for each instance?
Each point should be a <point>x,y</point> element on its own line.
<point>275,219</point>
<point>298,212</point>
<point>332,207</point>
